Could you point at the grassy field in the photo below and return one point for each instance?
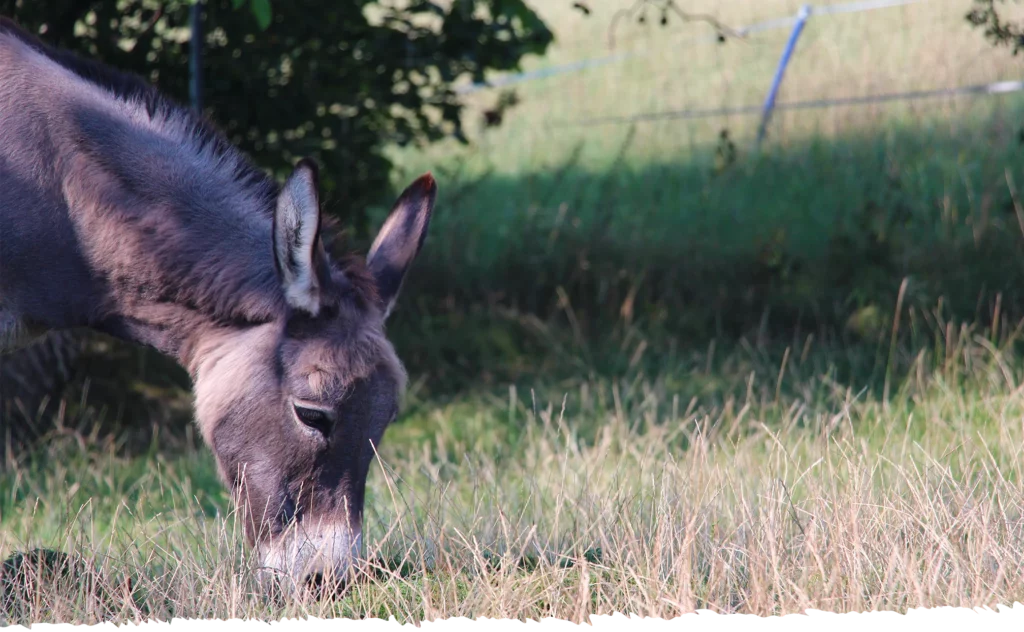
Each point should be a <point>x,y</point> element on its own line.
<point>839,206</point>
<point>682,66</point>
<point>777,486</point>
<point>648,375</point>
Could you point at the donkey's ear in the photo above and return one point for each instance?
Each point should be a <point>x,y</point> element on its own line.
<point>297,238</point>
<point>400,239</point>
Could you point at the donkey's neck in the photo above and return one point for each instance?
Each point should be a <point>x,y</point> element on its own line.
<point>171,267</point>
<point>123,211</point>
<point>172,330</point>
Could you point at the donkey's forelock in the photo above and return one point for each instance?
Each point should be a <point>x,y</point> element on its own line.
<point>331,363</point>
<point>328,353</point>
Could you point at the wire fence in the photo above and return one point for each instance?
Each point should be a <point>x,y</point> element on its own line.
<point>889,59</point>
<point>1001,87</point>
<point>760,27</point>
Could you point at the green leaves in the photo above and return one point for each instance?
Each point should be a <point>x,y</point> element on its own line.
<point>260,10</point>
<point>997,29</point>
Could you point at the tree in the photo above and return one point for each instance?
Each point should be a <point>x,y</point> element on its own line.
<point>1000,32</point>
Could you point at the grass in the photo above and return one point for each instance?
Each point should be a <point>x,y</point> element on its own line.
<point>705,235</point>
<point>682,66</point>
<point>649,375</point>
<point>778,487</point>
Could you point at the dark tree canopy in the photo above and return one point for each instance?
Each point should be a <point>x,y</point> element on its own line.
<point>333,79</point>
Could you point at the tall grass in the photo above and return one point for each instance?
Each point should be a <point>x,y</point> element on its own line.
<point>781,487</point>
<point>682,66</point>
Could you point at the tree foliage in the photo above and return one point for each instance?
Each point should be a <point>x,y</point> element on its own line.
<point>337,80</point>
<point>1001,32</point>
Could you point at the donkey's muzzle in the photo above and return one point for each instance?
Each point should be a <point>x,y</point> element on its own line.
<point>319,561</point>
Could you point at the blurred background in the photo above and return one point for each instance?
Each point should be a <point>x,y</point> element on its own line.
<point>614,187</point>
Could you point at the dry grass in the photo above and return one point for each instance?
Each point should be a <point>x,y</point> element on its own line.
<point>682,67</point>
<point>772,493</point>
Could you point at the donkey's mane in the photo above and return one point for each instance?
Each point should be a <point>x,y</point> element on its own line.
<point>132,88</point>
<point>255,294</point>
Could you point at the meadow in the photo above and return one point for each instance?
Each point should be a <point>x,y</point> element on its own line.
<point>730,479</point>
<point>652,368</point>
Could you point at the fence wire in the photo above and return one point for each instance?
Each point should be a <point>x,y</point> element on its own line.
<point>864,63</point>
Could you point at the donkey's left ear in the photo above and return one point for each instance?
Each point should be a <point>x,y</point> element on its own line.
<point>400,239</point>
<point>297,245</point>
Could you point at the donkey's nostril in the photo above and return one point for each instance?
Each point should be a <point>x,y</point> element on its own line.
<point>323,585</point>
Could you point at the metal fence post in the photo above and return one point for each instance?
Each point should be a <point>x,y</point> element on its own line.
<point>195,56</point>
<point>769,103</point>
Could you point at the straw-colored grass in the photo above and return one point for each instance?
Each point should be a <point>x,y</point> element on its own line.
<point>683,67</point>
<point>778,488</point>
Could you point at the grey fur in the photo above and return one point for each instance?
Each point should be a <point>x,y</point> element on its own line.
<point>122,212</point>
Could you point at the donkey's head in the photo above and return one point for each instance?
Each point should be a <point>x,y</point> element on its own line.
<point>293,409</point>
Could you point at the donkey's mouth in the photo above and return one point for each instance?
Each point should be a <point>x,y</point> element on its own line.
<point>318,563</point>
<point>327,585</point>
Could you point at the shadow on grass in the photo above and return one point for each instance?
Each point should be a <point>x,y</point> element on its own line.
<point>561,274</point>
<point>823,237</point>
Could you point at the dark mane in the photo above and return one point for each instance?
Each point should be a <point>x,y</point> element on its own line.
<point>133,88</point>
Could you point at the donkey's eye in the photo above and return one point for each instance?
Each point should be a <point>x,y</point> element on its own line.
<point>314,418</point>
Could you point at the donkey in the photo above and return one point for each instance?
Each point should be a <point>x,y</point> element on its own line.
<point>124,212</point>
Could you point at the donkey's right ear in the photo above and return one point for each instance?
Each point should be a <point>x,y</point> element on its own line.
<point>296,237</point>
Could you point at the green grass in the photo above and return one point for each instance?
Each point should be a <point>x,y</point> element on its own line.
<point>649,223</point>
<point>810,238</point>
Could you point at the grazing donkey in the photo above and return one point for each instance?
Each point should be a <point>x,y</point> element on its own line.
<point>123,212</point>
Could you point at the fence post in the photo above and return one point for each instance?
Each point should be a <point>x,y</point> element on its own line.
<point>195,56</point>
<point>769,103</point>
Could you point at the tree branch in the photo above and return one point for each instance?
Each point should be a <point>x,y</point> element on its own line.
<point>667,6</point>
